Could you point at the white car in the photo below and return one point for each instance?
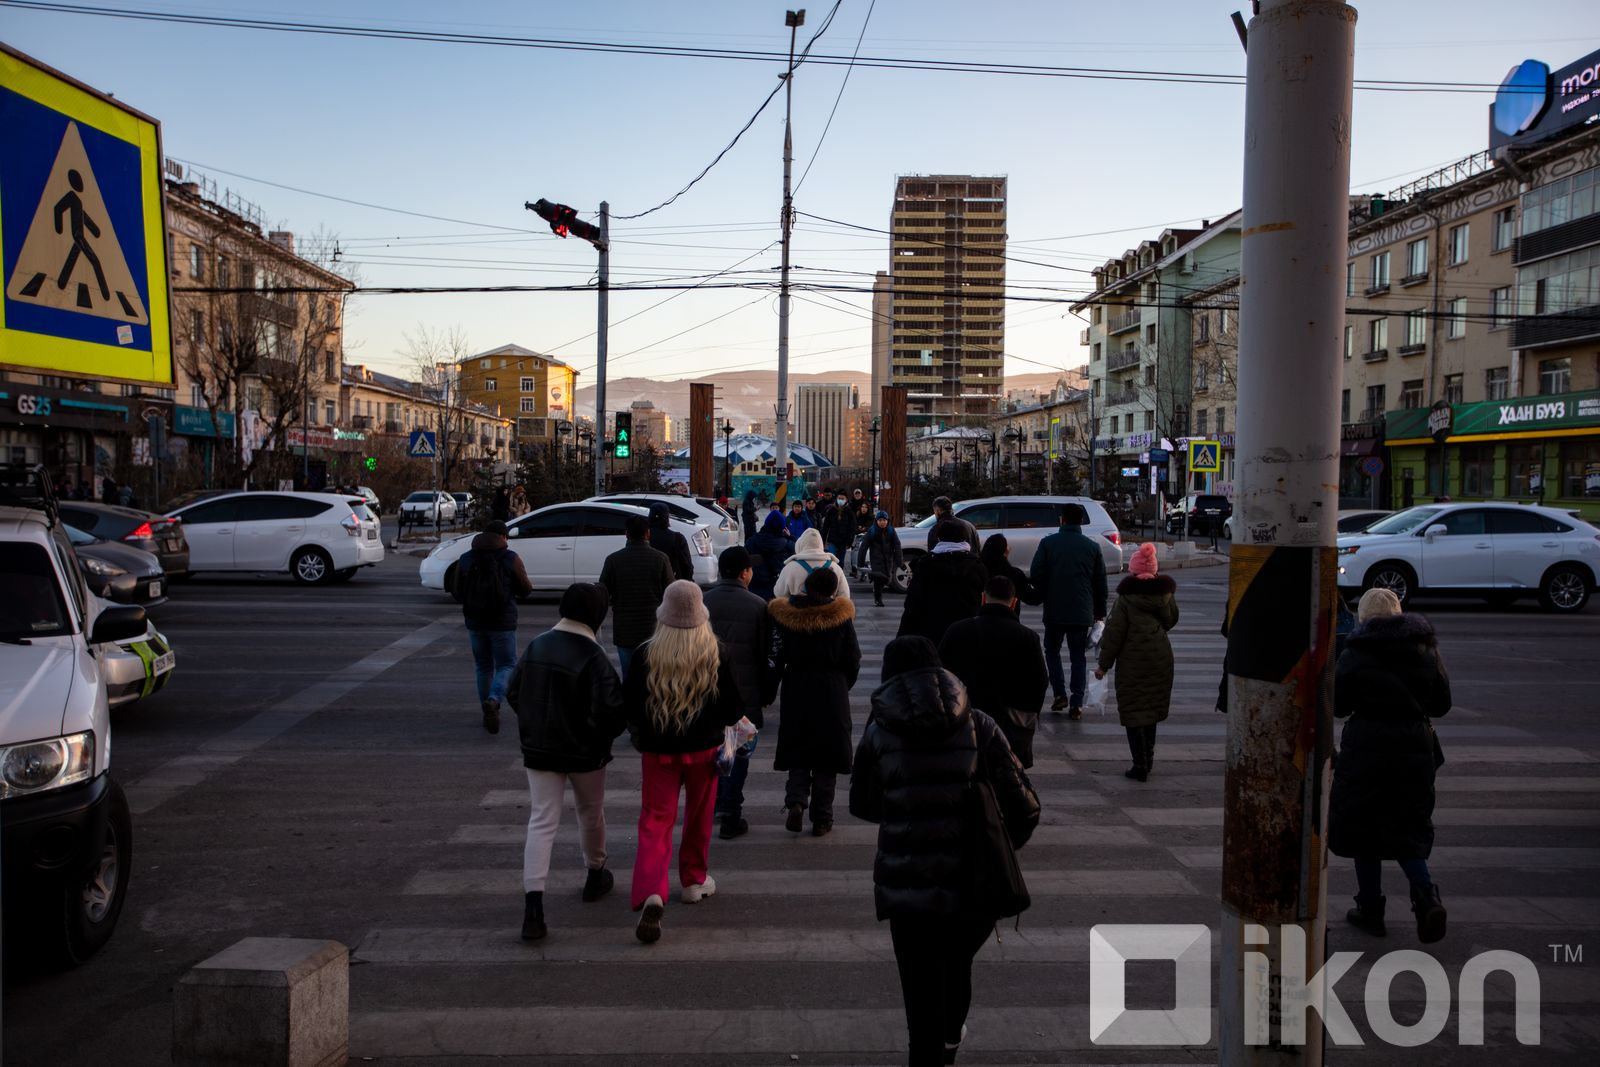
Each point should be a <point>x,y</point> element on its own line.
<point>68,834</point>
<point>138,667</point>
<point>565,543</point>
<point>701,510</point>
<point>428,508</point>
<point>316,537</point>
<point>1497,551</point>
<point>1025,521</point>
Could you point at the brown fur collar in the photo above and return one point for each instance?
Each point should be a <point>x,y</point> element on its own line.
<point>1152,586</point>
<point>812,618</point>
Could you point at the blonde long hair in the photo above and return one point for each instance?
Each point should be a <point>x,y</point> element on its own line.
<point>683,675</point>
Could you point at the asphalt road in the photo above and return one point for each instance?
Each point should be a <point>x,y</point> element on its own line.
<point>316,769</point>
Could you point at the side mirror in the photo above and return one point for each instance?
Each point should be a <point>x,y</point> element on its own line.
<point>513,533</point>
<point>1431,534</point>
<point>120,623</point>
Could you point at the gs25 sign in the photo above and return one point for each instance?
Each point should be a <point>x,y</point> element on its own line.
<point>34,405</point>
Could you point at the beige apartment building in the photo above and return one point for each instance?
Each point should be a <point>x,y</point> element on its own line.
<point>821,412</point>
<point>518,383</point>
<point>947,306</point>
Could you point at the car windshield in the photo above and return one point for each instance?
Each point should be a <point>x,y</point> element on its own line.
<point>1403,521</point>
<point>77,536</point>
<point>461,498</point>
<point>927,522</point>
<point>30,599</point>
<point>420,498</point>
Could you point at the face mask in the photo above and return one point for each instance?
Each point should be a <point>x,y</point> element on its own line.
<point>841,501</point>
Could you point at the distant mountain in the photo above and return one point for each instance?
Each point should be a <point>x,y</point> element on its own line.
<point>744,396</point>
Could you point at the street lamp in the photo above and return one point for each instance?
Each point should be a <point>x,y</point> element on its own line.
<point>727,459</point>
<point>874,430</point>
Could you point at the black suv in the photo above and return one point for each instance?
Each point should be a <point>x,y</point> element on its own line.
<point>1207,512</point>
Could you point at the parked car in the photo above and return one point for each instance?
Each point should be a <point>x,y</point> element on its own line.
<point>565,543</point>
<point>67,831</point>
<point>1025,521</point>
<point>138,667</point>
<point>1355,520</point>
<point>316,537</point>
<point>428,508</point>
<point>702,510</point>
<point>1498,551</point>
<point>365,493</point>
<point>117,571</point>
<point>463,505</point>
<point>147,531</point>
<point>1206,513</point>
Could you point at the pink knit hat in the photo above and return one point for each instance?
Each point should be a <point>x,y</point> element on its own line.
<point>1143,563</point>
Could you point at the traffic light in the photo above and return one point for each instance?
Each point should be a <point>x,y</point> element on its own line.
<point>623,447</point>
<point>564,220</point>
<point>370,463</point>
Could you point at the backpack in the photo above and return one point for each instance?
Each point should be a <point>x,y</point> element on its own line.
<point>482,588</point>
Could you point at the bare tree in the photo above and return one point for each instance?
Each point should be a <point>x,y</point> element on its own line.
<point>436,357</point>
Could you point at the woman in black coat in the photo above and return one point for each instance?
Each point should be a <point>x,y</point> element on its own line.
<point>880,554</point>
<point>996,557</point>
<point>946,585</point>
<point>816,660</point>
<point>1389,682</point>
<point>913,777</point>
<point>748,514</point>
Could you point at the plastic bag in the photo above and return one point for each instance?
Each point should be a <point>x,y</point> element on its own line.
<point>1097,631</point>
<point>1096,693</point>
<point>741,735</point>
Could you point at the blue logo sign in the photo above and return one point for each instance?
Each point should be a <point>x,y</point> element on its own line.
<point>1522,97</point>
<point>423,445</point>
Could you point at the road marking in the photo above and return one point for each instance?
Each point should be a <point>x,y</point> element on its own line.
<point>1443,857</point>
<point>1197,752</point>
<point>1441,816</point>
<point>628,796</point>
<point>168,780</point>
<point>844,833</point>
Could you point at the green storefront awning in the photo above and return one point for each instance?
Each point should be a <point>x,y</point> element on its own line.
<point>1519,415</point>
<point>196,422</point>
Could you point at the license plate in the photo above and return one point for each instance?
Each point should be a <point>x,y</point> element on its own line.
<point>372,535</point>
<point>163,663</point>
<point>155,590</point>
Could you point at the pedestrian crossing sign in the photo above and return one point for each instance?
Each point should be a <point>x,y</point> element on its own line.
<point>83,252</point>
<point>1205,456</point>
<point>423,445</point>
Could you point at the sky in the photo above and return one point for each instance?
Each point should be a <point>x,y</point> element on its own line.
<point>378,134</point>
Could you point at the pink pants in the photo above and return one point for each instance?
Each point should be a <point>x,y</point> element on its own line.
<point>695,774</point>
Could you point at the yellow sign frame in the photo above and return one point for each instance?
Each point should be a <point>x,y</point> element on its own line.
<point>1216,456</point>
<point>51,89</point>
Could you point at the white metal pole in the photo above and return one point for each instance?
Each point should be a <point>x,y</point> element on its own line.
<point>604,283</point>
<point>1281,617</point>
<point>780,446</point>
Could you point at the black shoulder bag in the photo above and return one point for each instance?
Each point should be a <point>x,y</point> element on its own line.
<point>994,876</point>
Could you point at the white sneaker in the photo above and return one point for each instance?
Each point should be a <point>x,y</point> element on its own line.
<point>649,928</point>
<point>693,894</point>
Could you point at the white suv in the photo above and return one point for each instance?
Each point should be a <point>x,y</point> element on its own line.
<point>68,835</point>
<point>565,543</point>
<point>1497,551</point>
<point>1025,521</point>
<point>428,508</point>
<point>316,537</point>
<point>701,510</point>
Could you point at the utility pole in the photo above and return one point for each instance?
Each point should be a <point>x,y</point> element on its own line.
<point>601,330</point>
<point>780,446</point>
<point>1282,599</point>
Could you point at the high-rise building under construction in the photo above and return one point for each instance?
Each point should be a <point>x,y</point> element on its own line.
<point>948,273</point>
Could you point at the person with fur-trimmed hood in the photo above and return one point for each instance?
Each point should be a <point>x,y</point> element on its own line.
<point>1136,643</point>
<point>1389,682</point>
<point>816,659</point>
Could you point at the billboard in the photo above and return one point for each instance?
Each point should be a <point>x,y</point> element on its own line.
<point>1533,104</point>
<point>82,241</point>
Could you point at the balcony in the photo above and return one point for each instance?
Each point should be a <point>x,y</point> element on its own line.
<point>1557,239</point>
<point>1413,350</point>
<point>1413,279</point>
<point>1377,290</point>
<point>1127,396</point>
<point>1377,355</point>
<point>1532,331</point>
<point>1128,357</point>
<point>1128,320</point>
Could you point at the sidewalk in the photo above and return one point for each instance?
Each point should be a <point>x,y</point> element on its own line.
<point>1180,555</point>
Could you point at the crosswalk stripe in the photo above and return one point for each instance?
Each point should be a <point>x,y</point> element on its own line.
<point>1198,752</point>
<point>1444,856</point>
<point>1212,817</point>
<point>763,799</point>
<point>844,833</point>
<point>1447,782</point>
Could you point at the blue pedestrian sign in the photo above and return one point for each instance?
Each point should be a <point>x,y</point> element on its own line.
<point>1205,456</point>
<point>423,445</point>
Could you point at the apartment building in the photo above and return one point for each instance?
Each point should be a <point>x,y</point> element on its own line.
<point>518,383</point>
<point>651,425</point>
<point>821,416</point>
<point>382,410</point>
<point>947,306</point>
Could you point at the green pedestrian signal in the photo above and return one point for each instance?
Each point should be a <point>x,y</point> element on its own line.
<point>371,463</point>
<point>622,447</point>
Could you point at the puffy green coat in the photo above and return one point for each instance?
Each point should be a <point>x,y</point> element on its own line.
<point>1135,643</point>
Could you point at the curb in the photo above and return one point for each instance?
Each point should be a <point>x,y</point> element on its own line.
<point>1168,562</point>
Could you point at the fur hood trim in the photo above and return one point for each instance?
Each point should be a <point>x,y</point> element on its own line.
<point>1385,628</point>
<point>1160,584</point>
<point>811,618</point>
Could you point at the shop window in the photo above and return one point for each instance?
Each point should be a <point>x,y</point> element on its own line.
<point>1555,376</point>
<point>1524,469</point>
<point>1497,383</point>
<point>1580,467</point>
<point>1452,388</point>
<point>1477,470</point>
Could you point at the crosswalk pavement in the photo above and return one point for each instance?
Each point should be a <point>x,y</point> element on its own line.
<point>788,964</point>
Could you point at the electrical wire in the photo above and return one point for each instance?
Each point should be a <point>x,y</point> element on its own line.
<point>826,126</point>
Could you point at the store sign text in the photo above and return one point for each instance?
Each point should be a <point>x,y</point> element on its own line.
<point>33,405</point>
<point>1511,414</point>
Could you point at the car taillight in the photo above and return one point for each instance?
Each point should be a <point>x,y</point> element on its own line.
<point>1115,538</point>
<point>351,524</point>
<point>702,542</point>
<point>141,532</point>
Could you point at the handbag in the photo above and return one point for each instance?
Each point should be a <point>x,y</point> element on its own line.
<point>995,877</point>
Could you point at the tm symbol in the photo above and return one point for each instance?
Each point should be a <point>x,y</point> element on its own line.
<point>1560,953</point>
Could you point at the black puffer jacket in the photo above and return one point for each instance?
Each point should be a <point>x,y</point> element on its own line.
<point>1001,663</point>
<point>636,576</point>
<point>568,701</point>
<point>1390,682</point>
<point>817,657</point>
<point>664,539</point>
<point>913,776</point>
<point>703,731</point>
<point>945,586</point>
<point>740,620</point>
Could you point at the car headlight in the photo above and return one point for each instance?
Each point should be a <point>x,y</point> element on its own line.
<point>100,567</point>
<point>36,766</point>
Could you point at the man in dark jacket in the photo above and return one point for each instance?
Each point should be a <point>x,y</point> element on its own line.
<point>748,514</point>
<point>946,585</point>
<point>489,578</point>
<point>914,768</point>
<point>1000,662</point>
<point>768,549</point>
<point>636,577</point>
<point>1071,573</point>
<point>568,701</point>
<point>944,511</point>
<point>666,540</point>
<point>839,528</point>
<point>740,620</point>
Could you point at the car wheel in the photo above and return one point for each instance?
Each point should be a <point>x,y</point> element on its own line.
<point>344,575</point>
<point>902,576</point>
<point>1395,577</point>
<point>1564,589</point>
<point>311,566</point>
<point>93,902</point>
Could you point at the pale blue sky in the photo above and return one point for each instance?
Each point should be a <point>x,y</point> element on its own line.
<point>471,132</point>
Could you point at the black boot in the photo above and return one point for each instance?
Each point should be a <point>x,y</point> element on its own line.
<point>1138,771</point>
<point>1149,748</point>
<point>533,928</point>
<point>1367,915</point>
<point>1430,913</point>
<point>598,884</point>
